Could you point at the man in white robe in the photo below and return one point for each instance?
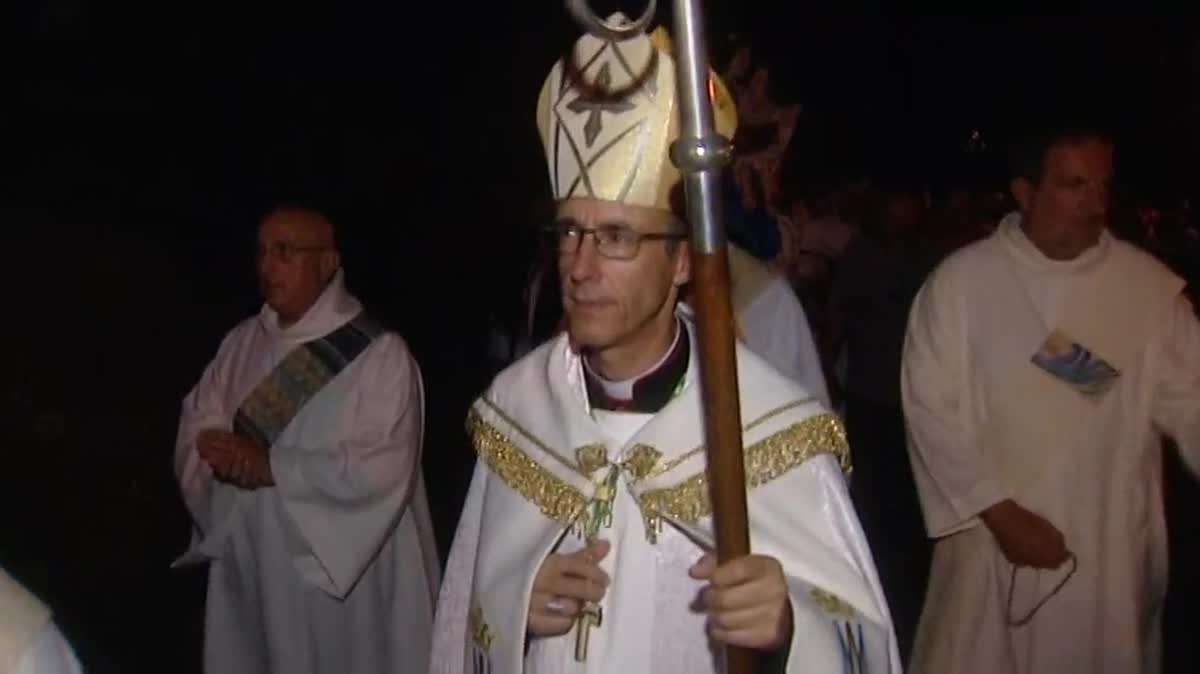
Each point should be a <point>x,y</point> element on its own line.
<point>1040,475</point>
<point>585,544</point>
<point>298,456</point>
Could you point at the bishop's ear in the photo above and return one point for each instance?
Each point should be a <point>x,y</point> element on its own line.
<point>683,265</point>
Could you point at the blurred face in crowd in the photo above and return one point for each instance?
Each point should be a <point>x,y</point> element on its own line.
<point>903,214</point>
<point>1065,212</point>
<point>622,268</point>
<point>296,259</point>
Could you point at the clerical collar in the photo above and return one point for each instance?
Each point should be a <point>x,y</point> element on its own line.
<point>649,392</point>
<point>1027,251</point>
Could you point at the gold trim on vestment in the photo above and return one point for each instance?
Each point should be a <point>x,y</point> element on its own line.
<point>673,463</point>
<point>765,460</point>
<point>556,499</point>
<point>481,633</point>
<point>833,604</point>
<point>591,458</point>
<point>538,443</point>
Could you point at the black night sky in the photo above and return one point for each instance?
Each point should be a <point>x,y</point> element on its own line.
<point>144,141</point>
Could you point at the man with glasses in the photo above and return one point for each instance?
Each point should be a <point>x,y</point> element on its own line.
<point>298,456</point>
<point>585,541</point>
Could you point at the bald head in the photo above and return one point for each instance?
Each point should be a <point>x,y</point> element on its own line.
<point>297,257</point>
<point>306,223</point>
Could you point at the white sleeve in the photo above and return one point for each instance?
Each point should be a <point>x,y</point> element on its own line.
<point>777,330</point>
<point>954,479</point>
<point>1177,399</point>
<point>204,408</point>
<point>49,653</point>
<point>346,499</point>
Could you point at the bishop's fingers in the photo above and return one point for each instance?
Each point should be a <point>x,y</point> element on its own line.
<point>576,588</point>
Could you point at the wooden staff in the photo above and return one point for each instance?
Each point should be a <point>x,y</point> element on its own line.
<point>700,154</point>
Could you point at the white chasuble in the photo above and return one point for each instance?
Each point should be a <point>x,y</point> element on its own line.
<point>543,456</point>
<point>333,570</point>
<point>986,423</point>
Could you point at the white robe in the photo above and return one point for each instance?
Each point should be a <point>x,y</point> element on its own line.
<point>48,653</point>
<point>773,324</point>
<point>334,569</point>
<point>540,455</point>
<point>30,642</point>
<point>986,424</point>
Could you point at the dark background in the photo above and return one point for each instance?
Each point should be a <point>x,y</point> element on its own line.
<point>144,141</point>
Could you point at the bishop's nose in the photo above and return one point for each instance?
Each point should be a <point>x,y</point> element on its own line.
<point>584,262</point>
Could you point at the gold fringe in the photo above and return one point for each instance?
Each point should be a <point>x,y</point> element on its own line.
<point>766,460</point>
<point>554,497</point>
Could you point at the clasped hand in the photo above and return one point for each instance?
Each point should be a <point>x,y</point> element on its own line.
<point>746,599</point>
<point>1026,538</point>
<point>235,459</point>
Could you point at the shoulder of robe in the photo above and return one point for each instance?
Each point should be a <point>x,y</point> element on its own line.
<point>392,343</point>
<point>778,409</point>
<point>243,330</point>
<point>22,616</point>
<point>965,261</point>
<point>1191,295</point>
<point>511,384</point>
<point>1137,261</point>
<point>958,272</point>
<point>757,377</point>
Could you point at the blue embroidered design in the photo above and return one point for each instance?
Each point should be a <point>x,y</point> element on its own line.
<point>306,369</point>
<point>1075,364</point>
<point>850,638</point>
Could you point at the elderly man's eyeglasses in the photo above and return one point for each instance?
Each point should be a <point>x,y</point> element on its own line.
<point>286,252</point>
<point>617,242</point>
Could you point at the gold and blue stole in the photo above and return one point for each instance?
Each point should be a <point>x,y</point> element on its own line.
<point>280,396</point>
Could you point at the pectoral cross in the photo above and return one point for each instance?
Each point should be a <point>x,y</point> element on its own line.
<point>591,617</point>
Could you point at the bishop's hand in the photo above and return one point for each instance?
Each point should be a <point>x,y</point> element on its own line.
<point>563,585</point>
<point>235,459</point>
<point>747,601</point>
<point>1026,538</point>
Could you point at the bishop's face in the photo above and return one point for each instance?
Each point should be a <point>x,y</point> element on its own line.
<point>613,303</point>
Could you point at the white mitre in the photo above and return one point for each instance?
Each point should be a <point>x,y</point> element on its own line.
<point>607,119</point>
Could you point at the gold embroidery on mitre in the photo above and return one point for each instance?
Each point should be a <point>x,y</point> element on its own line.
<point>481,632</point>
<point>607,115</point>
<point>554,497</point>
<point>765,460</point>
<point>833,604</point>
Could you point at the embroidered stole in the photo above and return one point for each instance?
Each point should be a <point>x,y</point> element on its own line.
<point>280,396</point>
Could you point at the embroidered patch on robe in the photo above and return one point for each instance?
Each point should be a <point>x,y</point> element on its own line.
<point>280,396</point>
<point>1076,365</point>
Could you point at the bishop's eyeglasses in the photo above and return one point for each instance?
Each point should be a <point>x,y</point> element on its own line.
<point>616,242</point>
